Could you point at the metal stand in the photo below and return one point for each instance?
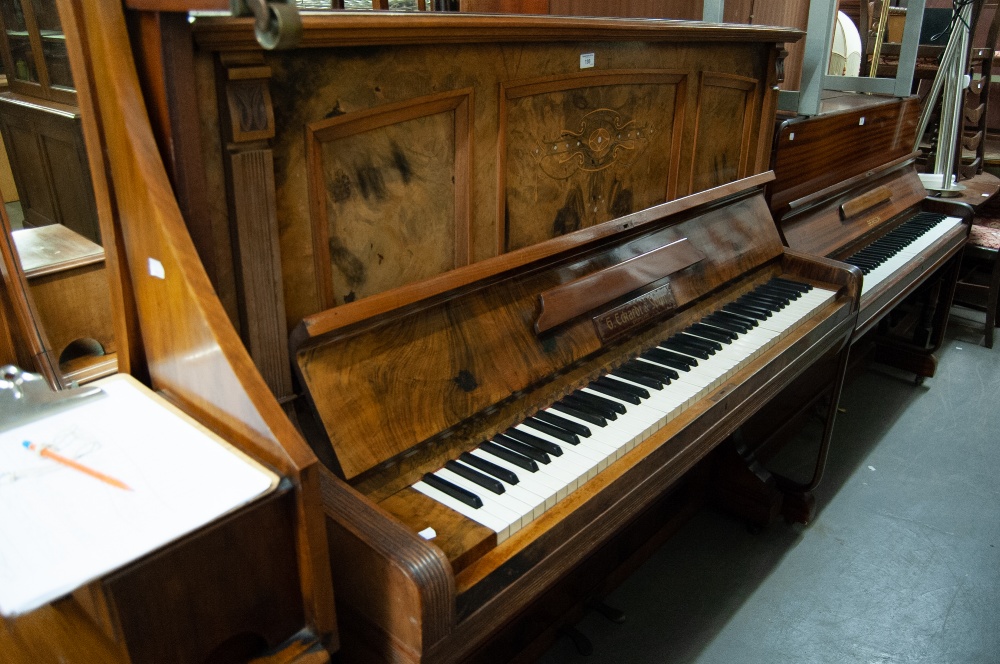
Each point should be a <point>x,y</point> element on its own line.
<point>950,81</point>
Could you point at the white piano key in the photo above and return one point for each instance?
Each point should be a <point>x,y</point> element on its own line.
<point>900,259</point>
<point>579,463</point>
<point>480,515</point>
<point>501,505</point>
<point>541,484</point>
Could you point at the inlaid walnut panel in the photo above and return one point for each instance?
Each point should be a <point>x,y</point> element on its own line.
<point>518,95</point>
<point>585,149</point>
<point>726,124</point>
<point>390,194</point>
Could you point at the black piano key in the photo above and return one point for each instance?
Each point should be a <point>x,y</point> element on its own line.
<point>555,432</point>
<point>523,449</point>
<point>775,294</point>
<point>778,289</point>
<point>582,413</point>
<point>485,481</point>
<point>660,373</point>
<point>676,345</point>
<point>453,490</point>
<point>563,423</point>
<point>576,401</point>
<point>801,287</point>
<point>518,460</point>
<point>765,303</point>
<point>714,333</point>
<point>635,377</point>
<point>546,446</point>
<point>765,300</point>
<point>742,318</point>
<point>752,312</point>
<point>727,323</point>
<point>598,402</point>
<point>508,476</point>
<point>617,394</point>
<point>615,384</point>
<point>700,342</point>
<point>670,359</point>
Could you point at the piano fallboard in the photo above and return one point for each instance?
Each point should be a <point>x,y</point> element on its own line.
<point>438,368</point>
<point>832,226</point>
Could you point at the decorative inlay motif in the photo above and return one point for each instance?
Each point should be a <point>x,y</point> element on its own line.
<point>249,102</point>
<point>604,139</point>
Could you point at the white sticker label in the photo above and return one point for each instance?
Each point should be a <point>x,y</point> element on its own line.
<point>428,533</point>
<point>586,60</point>
<point>861,122</point>
<point>156,269</point>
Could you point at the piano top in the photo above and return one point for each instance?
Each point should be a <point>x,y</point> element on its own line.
<point>360,28</point>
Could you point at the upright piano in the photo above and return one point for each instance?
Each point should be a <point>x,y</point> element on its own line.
<point>498,425</point>
<point>846,186</point>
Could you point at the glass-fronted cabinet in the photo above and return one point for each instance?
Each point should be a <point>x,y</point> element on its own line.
<point>40,121</point>
<point>33,50</point>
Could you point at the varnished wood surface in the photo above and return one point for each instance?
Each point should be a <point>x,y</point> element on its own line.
<point>441,372</point>
<point>820,229</point>
<point>397,163</point>
<point>815,153</point>
<point>675,9</point>
<point>489,583</point>
<point>192,352</point>
<point>566,301</point>
<point>24,342</point>
<point>361,28</point>
<point>54,248</point>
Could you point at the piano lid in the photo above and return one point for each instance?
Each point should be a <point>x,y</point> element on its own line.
<point>437,353</point>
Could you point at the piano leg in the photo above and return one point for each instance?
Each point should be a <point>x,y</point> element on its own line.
<point>745,487</point>
<point>928,334</point>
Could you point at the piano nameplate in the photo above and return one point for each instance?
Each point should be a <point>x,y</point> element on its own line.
<point>635,313</point>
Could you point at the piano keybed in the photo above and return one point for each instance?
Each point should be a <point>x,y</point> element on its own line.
<point>890,253</point>
<point>500,452</point>
<point>510,480</point>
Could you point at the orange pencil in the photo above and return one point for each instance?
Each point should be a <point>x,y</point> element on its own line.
<point>49,454</point>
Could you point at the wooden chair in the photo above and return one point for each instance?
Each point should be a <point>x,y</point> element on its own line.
<point>979,280</point>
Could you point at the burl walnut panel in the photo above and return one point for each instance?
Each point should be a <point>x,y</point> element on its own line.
<point>586,148</point>
<point>375,188</point>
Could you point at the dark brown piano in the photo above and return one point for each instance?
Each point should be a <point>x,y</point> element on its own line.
<point>846,186</point>
<point>485,367</point>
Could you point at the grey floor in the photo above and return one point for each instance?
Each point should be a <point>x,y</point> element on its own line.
<point>901,564</point>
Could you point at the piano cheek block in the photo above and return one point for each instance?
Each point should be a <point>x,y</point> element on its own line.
<point>462,540</point>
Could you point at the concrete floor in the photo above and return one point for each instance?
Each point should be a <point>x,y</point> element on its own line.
<point>901,564</point>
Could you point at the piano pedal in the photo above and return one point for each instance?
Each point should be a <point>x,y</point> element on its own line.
<point>616,616</point>
<point>580,641</point>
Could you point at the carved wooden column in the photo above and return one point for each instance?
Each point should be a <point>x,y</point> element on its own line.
<point>247,122</point>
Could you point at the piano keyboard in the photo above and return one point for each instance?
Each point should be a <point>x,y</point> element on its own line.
<point>509,481</point>
<point>893,250</point>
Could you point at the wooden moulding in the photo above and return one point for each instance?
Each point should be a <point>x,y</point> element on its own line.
<point>371,28</point>
<point>195,357</point>
<point>459,103</point>
<point>865,201</point>
<point>816,153</point>
<point>579,296</point>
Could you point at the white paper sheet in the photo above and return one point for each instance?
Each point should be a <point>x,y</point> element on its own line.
<point>61,528</point>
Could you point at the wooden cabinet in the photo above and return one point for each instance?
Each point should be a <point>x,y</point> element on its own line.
<point>40,122</point>
<point>33,49</point>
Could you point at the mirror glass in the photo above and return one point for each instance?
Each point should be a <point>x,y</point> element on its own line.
<point>47,192</point>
